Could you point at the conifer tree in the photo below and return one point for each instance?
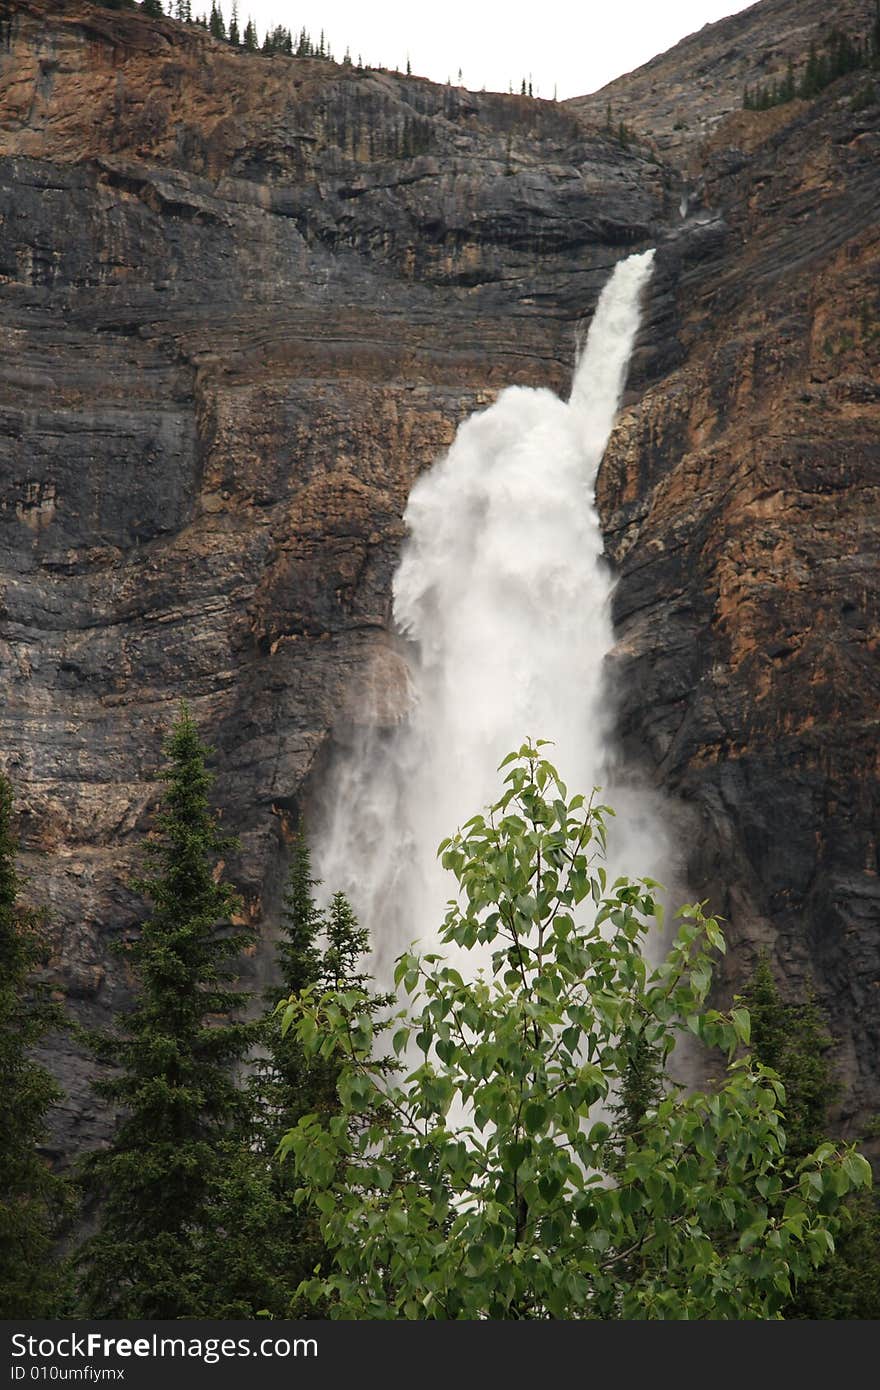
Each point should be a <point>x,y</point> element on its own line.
<point>217,24</point>
<point>278,40</point>
<point>793,1039</point>
<point>176,1054</point>
<point>32,1198</point>
<point>810,83</point>
<point>250,37</point>
<point>234,35</point>
<point>642,1086</point>
<point>302,922</point>
<point>291,1083</point>
<point>300,1083</point>
<point>287,1084</point>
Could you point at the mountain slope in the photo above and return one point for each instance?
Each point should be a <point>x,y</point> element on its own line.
<point>678,98</point>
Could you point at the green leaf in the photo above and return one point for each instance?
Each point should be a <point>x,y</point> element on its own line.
<point>742,1022</point>
<point>535,1116</point>
<point>398,1220</point>
<point>858,1170</point>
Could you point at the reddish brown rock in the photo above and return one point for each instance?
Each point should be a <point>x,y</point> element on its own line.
<point>244,302</point>
<point>740,495</point>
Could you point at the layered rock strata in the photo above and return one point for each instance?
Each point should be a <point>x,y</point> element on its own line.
<point>740,498</point>
<point>244,302</point>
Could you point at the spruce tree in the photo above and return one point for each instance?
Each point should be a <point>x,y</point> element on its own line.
<point>641,1089</point>
<point>810,83</point>
<point>793,1039</point>
<point>643,1085</point>
<point>288,1085</point>
<point>32,1198</point>
<point>217,24</point>
<point>176,1052</point>
<point>302,921</point>
<point>317,951</point>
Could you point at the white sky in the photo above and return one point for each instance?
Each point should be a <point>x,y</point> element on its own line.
<point>572,47</point>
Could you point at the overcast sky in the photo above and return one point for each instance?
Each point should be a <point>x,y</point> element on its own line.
<point>573,48</point>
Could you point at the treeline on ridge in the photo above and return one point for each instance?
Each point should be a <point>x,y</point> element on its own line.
<point>839,54</point>
<point>278,39</point>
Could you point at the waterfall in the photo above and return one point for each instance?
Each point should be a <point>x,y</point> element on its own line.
<point>502,597</point>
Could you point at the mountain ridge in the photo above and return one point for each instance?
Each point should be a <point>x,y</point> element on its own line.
<point>678,98</point>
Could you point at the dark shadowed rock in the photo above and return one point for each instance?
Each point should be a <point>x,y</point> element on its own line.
<point>244,302</point>
<point>740,498</point>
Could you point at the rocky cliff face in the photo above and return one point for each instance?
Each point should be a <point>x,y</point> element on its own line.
<point>740,498</point>
<point>245,301</point>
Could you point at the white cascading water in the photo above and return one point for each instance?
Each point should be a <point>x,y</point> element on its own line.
<point>503,596</point>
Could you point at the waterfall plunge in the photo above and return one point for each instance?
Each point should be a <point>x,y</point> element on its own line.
<point>503,595</point>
